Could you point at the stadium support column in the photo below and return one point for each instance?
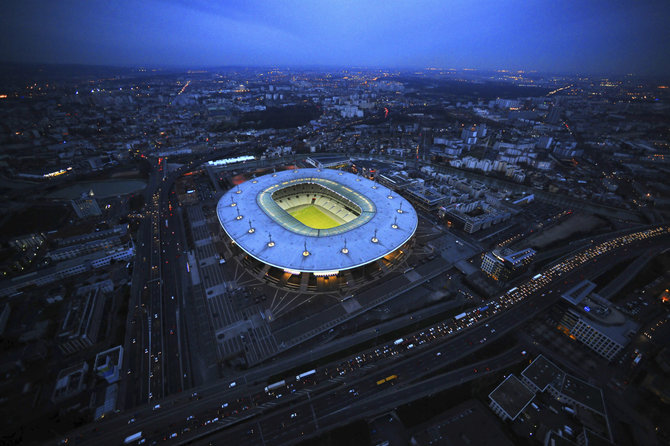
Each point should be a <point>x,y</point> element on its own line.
<point>304,280</point>
<point>263,271</point>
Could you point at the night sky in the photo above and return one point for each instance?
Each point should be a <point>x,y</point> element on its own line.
<point>567,36</point>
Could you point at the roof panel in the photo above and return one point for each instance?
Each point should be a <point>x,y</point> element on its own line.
<point>325,246</point>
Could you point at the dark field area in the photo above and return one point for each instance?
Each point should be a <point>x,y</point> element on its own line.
<point>36,219</point>
<point>484,90</point>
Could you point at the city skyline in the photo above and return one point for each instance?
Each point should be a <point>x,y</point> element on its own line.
<point>595,38</point>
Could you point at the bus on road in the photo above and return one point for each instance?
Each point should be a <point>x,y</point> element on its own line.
<point>387,379</point>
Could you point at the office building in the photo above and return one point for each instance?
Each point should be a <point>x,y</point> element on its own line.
<point>503,265</point>
<point>86,206</point>
<point>593,321</point>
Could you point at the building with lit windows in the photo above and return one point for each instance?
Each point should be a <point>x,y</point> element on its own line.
<point>316,229</point>
<point>80,328</point>
<point>68,268</point>
<point>504,265</point>
<point>86,206</point>
<point>108,364</point>
<point>593,321</point>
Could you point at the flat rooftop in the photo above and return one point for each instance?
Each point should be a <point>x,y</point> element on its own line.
<point>427,195</point>
<point>512,396</point>
<point>586,394</point>
<point>579,292</point>
<point>543,373</point>
<point>467,424</point>
<point>556,440</point>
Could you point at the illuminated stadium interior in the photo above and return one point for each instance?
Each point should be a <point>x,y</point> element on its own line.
<point>316,206</point>
<point>336,208</point>
<point>314,230</point>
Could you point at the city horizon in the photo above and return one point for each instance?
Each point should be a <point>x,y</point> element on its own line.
<point>334,68</point>
<point>596,37</point>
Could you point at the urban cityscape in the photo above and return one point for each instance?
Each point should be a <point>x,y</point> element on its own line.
<point>322,252</point>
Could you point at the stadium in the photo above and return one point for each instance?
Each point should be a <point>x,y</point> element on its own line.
<point>316,230</point>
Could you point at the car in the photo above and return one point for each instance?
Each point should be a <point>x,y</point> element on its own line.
<point>293,415</point>
<point>133,340</point>
<point>131,421</point>
<point>155,315</point>
<point>189,418</point>
<point>232,384</point>
<point>146,350</point>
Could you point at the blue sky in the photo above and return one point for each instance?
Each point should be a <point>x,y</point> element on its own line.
<point>587,36</point>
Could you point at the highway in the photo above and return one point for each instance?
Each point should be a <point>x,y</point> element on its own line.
<point>135,387</point>
<point>155,330</point>
<point>454,339</point>
<point>313,415</point>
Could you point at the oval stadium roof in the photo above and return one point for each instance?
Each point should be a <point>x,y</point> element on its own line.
<point>252,202</point>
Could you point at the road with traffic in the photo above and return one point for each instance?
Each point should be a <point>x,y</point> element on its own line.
<point>214,409</point>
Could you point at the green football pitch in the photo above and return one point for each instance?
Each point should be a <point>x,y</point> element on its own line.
<point>313,217</point>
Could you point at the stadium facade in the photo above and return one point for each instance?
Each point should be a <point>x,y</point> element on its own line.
<point>317,229</point>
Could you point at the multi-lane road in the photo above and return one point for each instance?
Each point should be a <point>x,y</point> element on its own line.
<point>220,407</point>
<point>156,357</point>
<point>156,353</point>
